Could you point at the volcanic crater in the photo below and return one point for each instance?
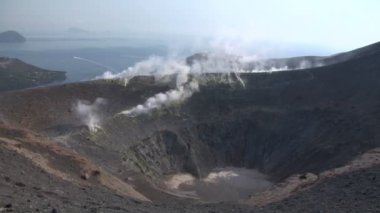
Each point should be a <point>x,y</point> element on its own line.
<point>251,145</point>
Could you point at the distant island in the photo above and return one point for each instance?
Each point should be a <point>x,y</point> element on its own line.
<point>11,37</point>
<point>16,74</point>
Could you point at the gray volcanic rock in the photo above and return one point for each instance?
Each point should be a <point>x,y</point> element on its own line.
<point>354,192</point>
<point>16,74</point>
<point>11,37</point>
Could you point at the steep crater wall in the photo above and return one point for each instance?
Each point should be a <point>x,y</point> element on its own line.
<point>279,124</point>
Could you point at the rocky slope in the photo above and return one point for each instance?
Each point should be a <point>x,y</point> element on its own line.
<point>16,74</point>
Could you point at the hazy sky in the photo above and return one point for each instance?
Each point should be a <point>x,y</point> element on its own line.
<point>338,23</point>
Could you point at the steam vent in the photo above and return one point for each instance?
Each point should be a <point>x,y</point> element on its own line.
<point>218,136</point>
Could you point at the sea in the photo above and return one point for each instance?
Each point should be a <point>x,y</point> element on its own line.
<point>86,58</point>
<point>83,59</point>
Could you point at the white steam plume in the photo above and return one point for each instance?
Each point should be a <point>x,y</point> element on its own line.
<point>154,66</point>
<point>159,68</point>
<point>223,60</point>
<point>185,86</point>
<point>89,113</point>
<point>168,98</point>
<point>228,65</point>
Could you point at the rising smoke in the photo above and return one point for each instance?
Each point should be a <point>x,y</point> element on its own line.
<point>154,66</point>
<point>188,78</point>
<point>190,74</point>
<point>171,97</point>
<point>90,113</point>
